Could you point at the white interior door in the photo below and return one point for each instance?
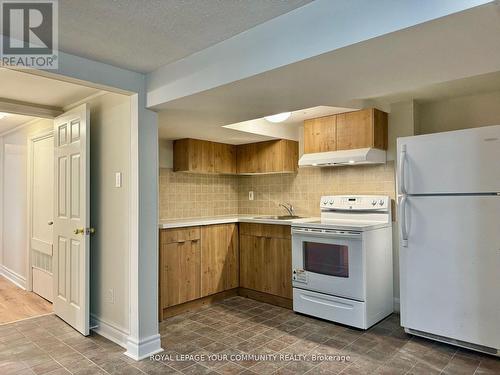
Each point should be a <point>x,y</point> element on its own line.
<point>72,217</point>
<point>41,214</point>
<point>450,269</point>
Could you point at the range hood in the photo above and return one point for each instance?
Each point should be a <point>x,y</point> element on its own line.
<point>344,157</point>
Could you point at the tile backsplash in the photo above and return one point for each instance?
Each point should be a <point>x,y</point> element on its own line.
<point>185,195</point>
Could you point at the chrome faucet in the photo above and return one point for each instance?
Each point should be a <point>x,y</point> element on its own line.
<point>289,208</point>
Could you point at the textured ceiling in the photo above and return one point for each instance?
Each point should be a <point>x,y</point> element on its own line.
<point>143,35</point>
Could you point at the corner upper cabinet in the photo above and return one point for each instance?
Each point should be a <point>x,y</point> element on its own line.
<point>277,156</point>
<point>199,156</point>
<point>366,128</point>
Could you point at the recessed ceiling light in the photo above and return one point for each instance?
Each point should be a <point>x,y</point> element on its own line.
<point>280,117</point>
<point>3,115</point>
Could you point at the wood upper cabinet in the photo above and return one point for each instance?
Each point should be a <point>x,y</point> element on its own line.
<point>219,258</point>
<point>345,131</point>
<point>180,266</point>
<point>199,156</point>
<point>224,158</point>
<point>361,129</point>
<point>277,156</point>
<point>266,259</point>
<point>320,134</point>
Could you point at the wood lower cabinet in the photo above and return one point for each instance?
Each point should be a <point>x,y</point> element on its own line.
<point>180,266</point>
<point>219,258</point>
<point>201,264</point>
<point>266,259</point>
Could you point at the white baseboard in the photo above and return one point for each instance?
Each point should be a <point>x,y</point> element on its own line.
<point>108,330</point>
<point>397,307</point>
<point>12,276</point>
<point>144,348</point>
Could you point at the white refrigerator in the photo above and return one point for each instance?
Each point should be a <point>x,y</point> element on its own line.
<point>449,221</point>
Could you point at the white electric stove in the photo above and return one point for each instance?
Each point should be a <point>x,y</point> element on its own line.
<point>342,263</point>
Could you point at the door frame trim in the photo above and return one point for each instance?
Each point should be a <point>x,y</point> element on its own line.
<point>31,140</point>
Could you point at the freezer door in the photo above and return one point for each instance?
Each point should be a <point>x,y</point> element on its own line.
<point>464,161</point>
<point>450,269</point>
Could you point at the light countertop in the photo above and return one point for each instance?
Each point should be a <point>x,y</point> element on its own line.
<point>260,219</point>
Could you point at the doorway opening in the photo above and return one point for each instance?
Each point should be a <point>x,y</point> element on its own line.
<point>55,136</point>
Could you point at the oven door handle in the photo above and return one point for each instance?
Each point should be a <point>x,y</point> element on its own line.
<point>326,233</point>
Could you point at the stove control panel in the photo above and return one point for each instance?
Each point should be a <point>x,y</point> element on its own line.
<point>355,202</point>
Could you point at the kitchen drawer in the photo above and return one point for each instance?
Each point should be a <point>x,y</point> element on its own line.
<point>179,235</point>
<point>266,230</point>
<point>335,309</point>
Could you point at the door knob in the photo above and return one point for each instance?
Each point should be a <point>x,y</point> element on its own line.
<point>86,231</point>
<point>50,223</point>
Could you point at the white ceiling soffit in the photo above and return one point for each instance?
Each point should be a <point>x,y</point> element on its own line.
<point>30,88</point>
<point>462,45</point>
<point>12,121</point>
<point>287,129</point>
<point>144,35</point>
<point>316,28</point>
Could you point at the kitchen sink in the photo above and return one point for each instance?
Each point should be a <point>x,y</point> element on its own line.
<point>279,217</point>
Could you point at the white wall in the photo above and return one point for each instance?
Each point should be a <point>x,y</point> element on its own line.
<point>460,113</point>
<point>14,199</point>
<point>110,209</point>
<point>166,153</point>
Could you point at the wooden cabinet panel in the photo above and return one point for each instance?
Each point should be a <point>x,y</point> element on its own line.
<point>320,134</point>
<point>224,158</point>
<point>280,156</point>
<point>265,261</point>
<point>345,131</point>
<point>198,156</point>
<point>246,159</point>
<point>361,129</point>
<point>179,234</point>
<point>251,262</point>
<point>355,130</point>
<point>219,258</point>
<point>180,272</point>
<point>266,230</point>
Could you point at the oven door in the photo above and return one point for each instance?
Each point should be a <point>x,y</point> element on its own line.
<point>328,261</point>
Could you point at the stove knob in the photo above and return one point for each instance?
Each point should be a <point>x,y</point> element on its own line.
<point>374,202</point>
<point>331,203</point>
<point>381,202</point>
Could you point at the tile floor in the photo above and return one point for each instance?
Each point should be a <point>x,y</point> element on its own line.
<point>234,327</point>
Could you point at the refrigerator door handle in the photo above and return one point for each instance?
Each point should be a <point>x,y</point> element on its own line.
<point>401,170</point>
<point>402,221</point>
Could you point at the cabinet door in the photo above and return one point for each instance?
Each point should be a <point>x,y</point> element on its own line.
<point>279,267</point>
<point>219,258</point>
<point>224,158</point>
<point>180,276</point>
<point>266,265</point>
<point>251,262</point>
<point>320,134</point>
<point>194,155</point>
<point>355,130</point>
<point>247,161</point>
